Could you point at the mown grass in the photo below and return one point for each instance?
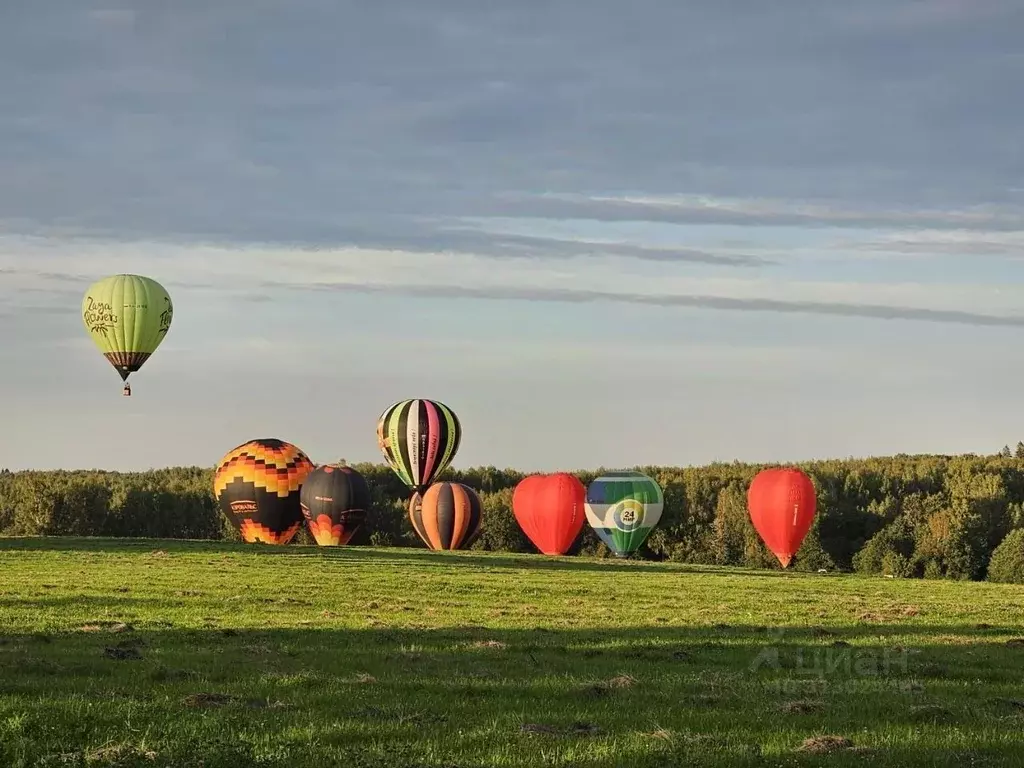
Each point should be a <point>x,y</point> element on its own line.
<point>160,653</point>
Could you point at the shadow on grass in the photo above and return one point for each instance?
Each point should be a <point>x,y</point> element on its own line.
<point>474,696</point>
<point>484,560</point>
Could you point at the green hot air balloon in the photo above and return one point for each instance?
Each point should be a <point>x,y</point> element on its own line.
<point>623,508</point>
<point>419,439</point>
<point>127,317</point>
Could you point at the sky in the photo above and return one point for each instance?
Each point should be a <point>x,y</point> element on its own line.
<point>606,234</point>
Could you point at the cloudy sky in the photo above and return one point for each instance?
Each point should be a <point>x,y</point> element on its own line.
<point>605,233</point>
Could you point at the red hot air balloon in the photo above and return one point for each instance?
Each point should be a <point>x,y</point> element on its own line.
<point>551,510</point>
<point>782,504</point>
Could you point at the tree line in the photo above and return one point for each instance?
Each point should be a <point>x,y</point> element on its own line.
<point>929,516</point>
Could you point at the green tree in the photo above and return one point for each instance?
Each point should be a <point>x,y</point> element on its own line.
<point>1007,562</point>
<point>931,516</point>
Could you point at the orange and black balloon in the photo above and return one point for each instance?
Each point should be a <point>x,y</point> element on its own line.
<point>334,500</point>
<point>446,516</point>
<point>257,488</point>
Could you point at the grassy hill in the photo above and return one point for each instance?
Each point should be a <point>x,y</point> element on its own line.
<point>124,652</point>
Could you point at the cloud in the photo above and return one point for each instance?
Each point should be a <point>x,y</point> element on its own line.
<point>931,242</point>
<point>526,246</point>
<point>442,237</point>
<point>757,212</point>
<point>265,273</point>
<point>333,125</point>
<point>878,312</point>
<point>895,16</point>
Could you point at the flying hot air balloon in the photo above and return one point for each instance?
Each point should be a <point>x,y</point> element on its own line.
<point>127,317</point>
<point>257,487</point>
<point>782,503</point>
<point>623,508</point>
<point>550,510</point>
<point>419,439</point>
<point>446,516</point>
<point>334,500</point>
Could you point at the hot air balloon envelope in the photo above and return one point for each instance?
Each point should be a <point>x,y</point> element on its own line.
<point>334,500</point>
<point>550,510</point>
<point>446,516</point>
<point>623,508</point>
<point>782,505</point>
<point>419,439</point>
<point>257,488</point>
<point>127,317</point>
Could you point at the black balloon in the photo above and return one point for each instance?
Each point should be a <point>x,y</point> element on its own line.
<point>257,488</point>
<point>335,499</point>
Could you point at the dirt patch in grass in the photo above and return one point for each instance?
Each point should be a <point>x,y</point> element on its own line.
<point>804,707</point>
<point>360,677</point>
<point>115,627</point>
<point>576,729</point>
<point>604,687</point>
<point>128,653</point>
<point>620,681</point>
<point>822,745</point>
<point>496,644</point>
<point>207,700</point>
<point>662,735</point>
<point>538,728</point>
<point>114,755</point>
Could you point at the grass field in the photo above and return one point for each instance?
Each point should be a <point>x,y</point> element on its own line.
<point>161,653</point>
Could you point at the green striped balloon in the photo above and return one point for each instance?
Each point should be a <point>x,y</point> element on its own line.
<point>623,508</point>
<point>419,439</point>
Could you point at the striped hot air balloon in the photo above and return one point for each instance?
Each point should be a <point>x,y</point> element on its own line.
<point>623,508</point>
<point>257,486</point>
<point>419,439</point>
<point>447,516</point>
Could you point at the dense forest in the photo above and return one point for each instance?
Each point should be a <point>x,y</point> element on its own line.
<point>956,517</point>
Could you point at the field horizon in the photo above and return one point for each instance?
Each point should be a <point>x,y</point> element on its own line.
<point>469,469</point>
<point>925,516</point>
